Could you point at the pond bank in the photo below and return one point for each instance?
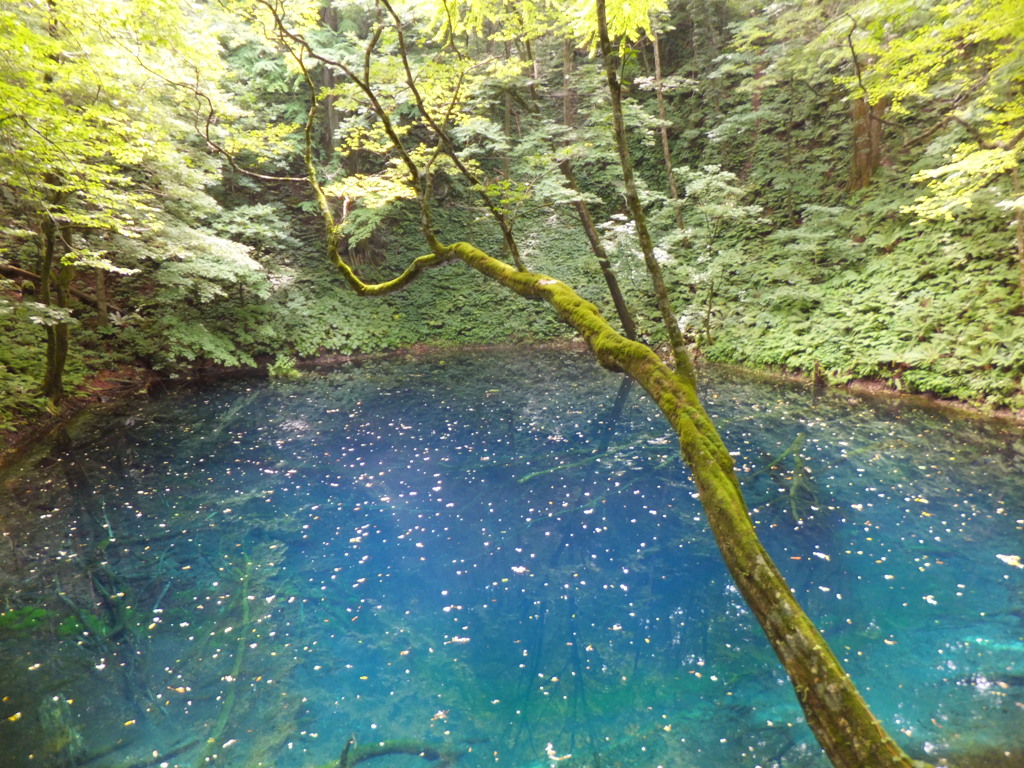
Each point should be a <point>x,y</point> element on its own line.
<point>132,382</point>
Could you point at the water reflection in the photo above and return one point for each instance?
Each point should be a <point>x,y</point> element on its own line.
<point>498,559</point>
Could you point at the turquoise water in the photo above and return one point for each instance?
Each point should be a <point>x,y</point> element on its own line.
<point>502,559</point>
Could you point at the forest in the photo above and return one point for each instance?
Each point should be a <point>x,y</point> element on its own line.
<point>824,189</point>
<point>830,190</point>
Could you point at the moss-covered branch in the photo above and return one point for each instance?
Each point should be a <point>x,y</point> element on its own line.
<point>835,710</point>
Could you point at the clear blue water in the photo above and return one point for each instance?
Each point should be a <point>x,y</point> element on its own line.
<point>502,557</point>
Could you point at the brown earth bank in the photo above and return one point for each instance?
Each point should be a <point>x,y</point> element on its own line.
<point>128,382</point>
<point>878,389</point>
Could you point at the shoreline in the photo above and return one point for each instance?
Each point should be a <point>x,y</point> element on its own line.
<point>126,383</point>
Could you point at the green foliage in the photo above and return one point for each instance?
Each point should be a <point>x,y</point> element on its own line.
<point>283,368</point>
<point>22,363</point>
<point>24,619</point>
<point>924,308</point>
<point>264,227</point>
<point>447,306</point>
<point>776,264</point>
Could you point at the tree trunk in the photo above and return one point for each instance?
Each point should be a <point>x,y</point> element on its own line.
<point>594,237</point>
<point>684,366</point>
<point>569,103</point>
<point>102,310</point>
<point>1015,175</point>
<point>666,149</point>
<point>867,142</point>
<point>329,79</point>
<point>53,292</point>
<point>332,120</point>
<point>506,123</point>
<point>569,96</point>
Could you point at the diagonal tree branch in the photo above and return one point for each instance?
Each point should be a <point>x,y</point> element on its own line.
<point>835,710</point>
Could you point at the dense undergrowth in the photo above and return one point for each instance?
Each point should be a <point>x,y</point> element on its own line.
<point>933,308</point>
<point>781,262</point>
<point>929,308</point>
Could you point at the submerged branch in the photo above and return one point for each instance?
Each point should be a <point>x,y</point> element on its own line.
<point>228,706</point>
<point>352,754</point>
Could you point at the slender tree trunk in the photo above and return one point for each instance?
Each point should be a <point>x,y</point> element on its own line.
<point>534,70</point>
<point>54,280</point>
<point>506,162</point>
<point>569,98</point>
<point>102,308</point>
<point>506,122</point>
<point>666,148</point>
<point>1015,173</point>
<point>331,118</point>
<point>867,142</point>
<point>53,292</point>
<point>329,79</point>
<point>594,238</point>
<point>683,364</point>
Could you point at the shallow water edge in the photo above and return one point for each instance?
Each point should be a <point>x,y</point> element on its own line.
<point>141,383</point>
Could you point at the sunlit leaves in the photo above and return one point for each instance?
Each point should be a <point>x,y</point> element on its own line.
<point>262,143</point>
<point>498,19</point>
<point>299,15</point>
<point>371,191</point>
<point>84,84</point>
<point>954,184</point>
<point>717,194</point>
<point>628,20</point>
<point>503,20</point>
<point>945,50</point>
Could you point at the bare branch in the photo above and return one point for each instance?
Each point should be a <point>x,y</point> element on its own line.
<point>502,220</point>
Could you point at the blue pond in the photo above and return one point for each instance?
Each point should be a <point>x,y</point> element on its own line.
<point>498,556</point>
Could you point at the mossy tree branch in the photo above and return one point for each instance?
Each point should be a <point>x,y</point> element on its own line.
<point>835,710</point>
